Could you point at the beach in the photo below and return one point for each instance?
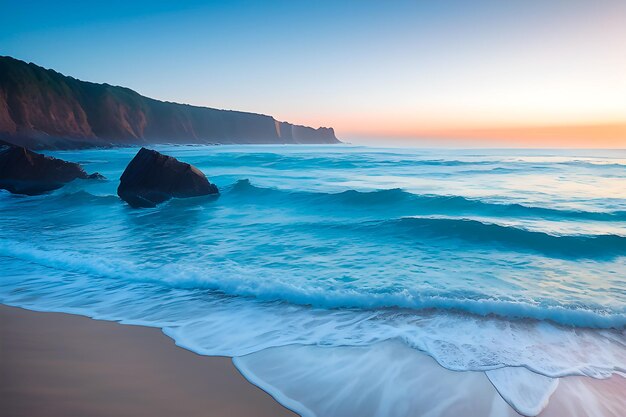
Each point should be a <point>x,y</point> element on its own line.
<point>341,281</point>
<point>55,364</point>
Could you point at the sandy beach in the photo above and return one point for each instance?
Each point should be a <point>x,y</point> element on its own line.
<point>57,364</point>
<point>54,364</point>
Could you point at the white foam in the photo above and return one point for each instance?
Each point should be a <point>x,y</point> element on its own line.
<point>383,380</point>
<point>213,324</point>
<point>526,391</point>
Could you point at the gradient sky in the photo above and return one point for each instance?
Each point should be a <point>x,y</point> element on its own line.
<point>483,72</point>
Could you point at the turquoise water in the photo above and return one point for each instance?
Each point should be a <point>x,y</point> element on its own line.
<point>482,259</point>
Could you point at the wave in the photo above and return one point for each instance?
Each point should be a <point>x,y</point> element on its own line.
<point>580,246</point>
<point>394,200</point>
<point>63,199</point>
<point>331,161</point>
<point>235,281</point>
<point>82,196</point>
<point>468,230</point>
<point>372,160</point>
<point>388,202</point>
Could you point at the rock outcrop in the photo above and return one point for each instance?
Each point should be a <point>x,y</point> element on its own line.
<point>152,178</point>
<point>42,109</point>
<point>23,171</point>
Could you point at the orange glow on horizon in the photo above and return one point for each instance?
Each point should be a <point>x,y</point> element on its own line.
<point>592,135</point>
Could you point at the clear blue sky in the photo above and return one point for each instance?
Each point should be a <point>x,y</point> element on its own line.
<point>368,68</point>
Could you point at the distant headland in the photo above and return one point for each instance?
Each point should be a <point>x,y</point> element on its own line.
<point>43,109</point>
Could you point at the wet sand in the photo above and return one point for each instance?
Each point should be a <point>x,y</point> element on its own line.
<point>55,364</point>
<point>391,379</point>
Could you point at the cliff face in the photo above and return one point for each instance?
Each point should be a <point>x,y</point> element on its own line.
<point>41,108</point>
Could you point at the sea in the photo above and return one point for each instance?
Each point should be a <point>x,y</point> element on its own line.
<point>509,262</point>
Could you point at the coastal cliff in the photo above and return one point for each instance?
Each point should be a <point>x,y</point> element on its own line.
<point>43,109</point>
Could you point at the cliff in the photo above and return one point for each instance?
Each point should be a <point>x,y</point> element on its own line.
<point>43,109</point>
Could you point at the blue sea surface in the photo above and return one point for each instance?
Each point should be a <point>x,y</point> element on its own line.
<point>481,258</point>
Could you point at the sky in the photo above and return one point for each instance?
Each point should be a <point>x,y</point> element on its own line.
<point>448,72</point>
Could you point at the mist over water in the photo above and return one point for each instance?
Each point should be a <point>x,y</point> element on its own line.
<point>482,259</point>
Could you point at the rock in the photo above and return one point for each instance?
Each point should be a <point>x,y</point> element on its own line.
<point>23,171</point>
<point>152,178</point>
<point>96,176</point>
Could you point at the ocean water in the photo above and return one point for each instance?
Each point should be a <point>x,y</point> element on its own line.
<point>511,262</point>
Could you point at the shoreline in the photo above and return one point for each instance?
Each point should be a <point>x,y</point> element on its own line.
<point>62,364</point>
<point>58,364</point>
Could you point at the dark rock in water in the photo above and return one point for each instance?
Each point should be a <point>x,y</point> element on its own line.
<point>152,178</point>
<point>96,176</point>
<point>23,171</point>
